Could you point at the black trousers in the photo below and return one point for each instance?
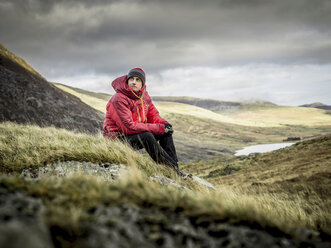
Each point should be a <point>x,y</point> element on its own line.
<point>160,148</point>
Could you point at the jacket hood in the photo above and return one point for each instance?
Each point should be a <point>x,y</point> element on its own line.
<point>120,86</point>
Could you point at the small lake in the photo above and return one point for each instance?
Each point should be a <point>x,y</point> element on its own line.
<point>261,148</point>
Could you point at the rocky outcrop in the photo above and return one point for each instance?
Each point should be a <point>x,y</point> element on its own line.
<point>21,223</point>
<point>132,226</point>
<point>167,182</point>
<point>27,98</point>
<point>125,225</point>
<point>106,171</point>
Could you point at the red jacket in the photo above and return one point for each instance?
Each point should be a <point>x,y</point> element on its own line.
<point>131,112</point>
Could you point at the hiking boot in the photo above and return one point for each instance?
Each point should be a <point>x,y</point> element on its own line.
<point>183,175</point>
<point>186,176</point>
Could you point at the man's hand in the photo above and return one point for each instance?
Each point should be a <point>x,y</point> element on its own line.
<point>168,130</point>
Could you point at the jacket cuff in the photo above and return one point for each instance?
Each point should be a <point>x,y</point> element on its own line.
<point>162,128</point>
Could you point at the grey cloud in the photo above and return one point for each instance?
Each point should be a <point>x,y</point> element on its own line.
<point>70,37</point>
<point>46,6</point>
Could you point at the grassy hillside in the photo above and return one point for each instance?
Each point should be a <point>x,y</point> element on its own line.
<point>215,105</point>
<point>102,96</point>
<point>11,56</point>
<point>284,115</point>
<point>280,193</point>
<point>318,105</point>
<point>249,114</point>
<point>271,116</point>
<point>69,200</point>
<point>95,101</point>
<point>300,161</point>
<point>203,134</point>
<point>299,174</point>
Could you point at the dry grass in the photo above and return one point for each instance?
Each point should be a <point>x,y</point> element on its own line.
<point>271,116</point>
<point>69,199</point>
<point>25,146</point>
<point>201,134</point>
<point>268,116</point>
<point>284,115</point>
<point>7,54</point>
<point>295,180</point>
<point>283,189</point>
<point>302,159</point>
<point>94,102</point>
<point>81,193</point>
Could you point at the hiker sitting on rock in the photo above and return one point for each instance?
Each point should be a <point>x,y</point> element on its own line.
<point>131,116</point>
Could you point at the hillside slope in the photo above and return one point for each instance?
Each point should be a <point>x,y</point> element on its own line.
<point>272,116</point>
<point>308,161</point>
<point>101,96</point>
<point>214,105</point>
<point>202,134</point>
<point>299,174</point>
<point>66,207</point>
<point>26,97</point>
<point>318,105</point>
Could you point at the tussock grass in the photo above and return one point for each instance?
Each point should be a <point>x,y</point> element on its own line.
<point>25,146</point>
<point>294,181</point>
<point>69,200</point>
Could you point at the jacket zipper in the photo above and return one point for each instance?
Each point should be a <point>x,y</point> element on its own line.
<point>142,106</point>
<point>138,114</point>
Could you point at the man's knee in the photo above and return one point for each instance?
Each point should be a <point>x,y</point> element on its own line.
<point>147,137</point>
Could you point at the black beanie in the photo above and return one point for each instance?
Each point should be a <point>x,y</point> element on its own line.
<point>137,72</point>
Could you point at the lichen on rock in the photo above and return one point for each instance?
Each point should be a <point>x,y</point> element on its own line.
<point>107,171</point>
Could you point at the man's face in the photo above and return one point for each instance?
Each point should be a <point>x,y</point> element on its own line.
<point>135,83</point>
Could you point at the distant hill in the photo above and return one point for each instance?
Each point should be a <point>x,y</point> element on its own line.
<point>318,105</point>
<point>210,104</point>
<point>26,97</point>
<point>203,134</point>
<point>102,96</point>
<point>213,105</point>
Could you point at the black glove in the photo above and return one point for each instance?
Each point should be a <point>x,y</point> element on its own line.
<point>168,130</point>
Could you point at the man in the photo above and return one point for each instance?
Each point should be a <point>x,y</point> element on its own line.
<point>131,116</point>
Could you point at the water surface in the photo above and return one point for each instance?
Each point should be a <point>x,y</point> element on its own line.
<point>261,148</point>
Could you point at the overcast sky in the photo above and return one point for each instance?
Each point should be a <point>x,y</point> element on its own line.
<point>237,50</point>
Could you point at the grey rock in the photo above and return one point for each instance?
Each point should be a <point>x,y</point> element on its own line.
<point>21,223</point>
<point>106,171</point>
<point>167,182</point>
<point>132,226</point>
<point>203,182</point>
<point>170,182</point>
<point>306,233</point>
